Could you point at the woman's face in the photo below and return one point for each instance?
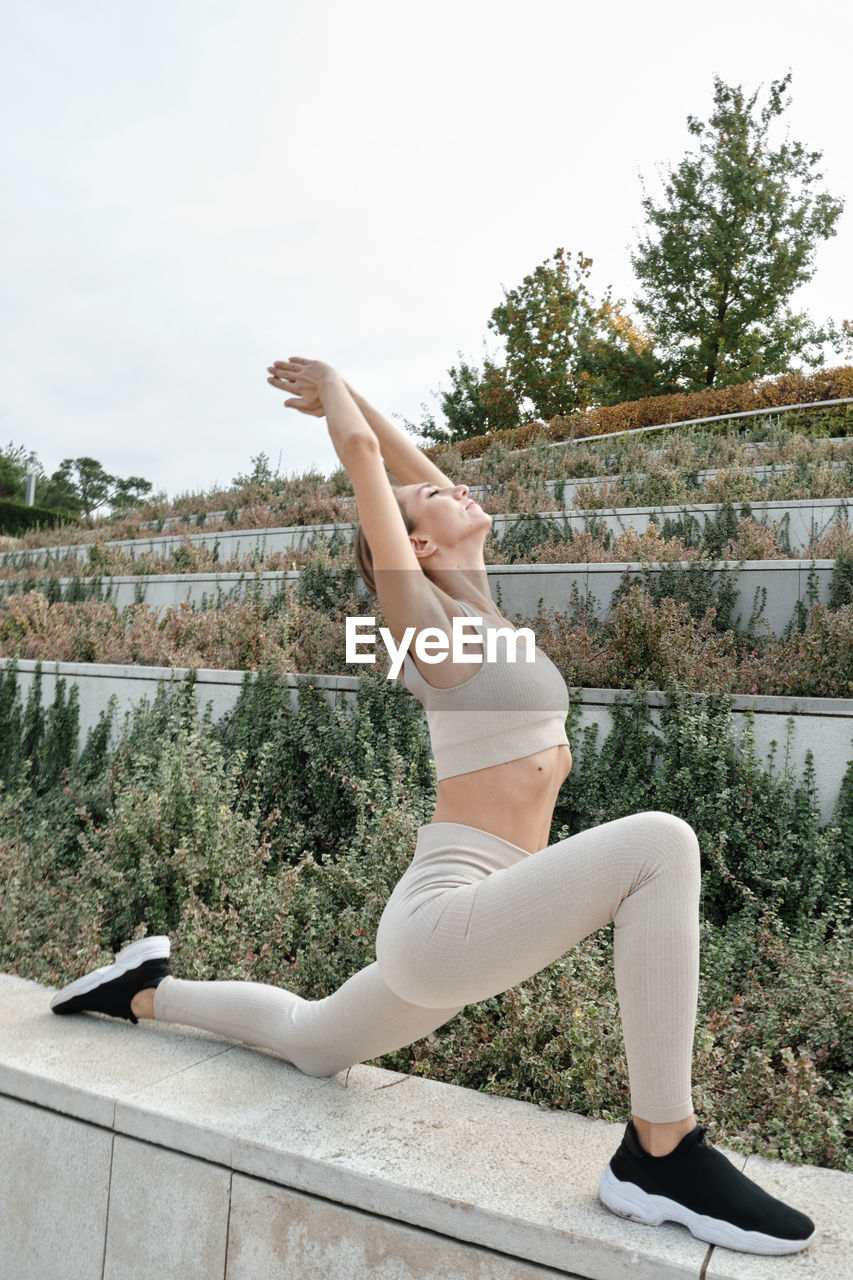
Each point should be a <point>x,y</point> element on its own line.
<point>444,516</point>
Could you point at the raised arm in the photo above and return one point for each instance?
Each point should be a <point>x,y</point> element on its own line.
<point>405,593</point>
<point>316,388</point>
<point>404,459</point>
<point>401,455</point>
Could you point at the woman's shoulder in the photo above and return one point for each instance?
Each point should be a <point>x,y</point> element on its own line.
<point>406,603</point>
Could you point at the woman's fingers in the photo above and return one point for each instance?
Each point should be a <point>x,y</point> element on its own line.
<point>300,377</point>
<point>293,362</point>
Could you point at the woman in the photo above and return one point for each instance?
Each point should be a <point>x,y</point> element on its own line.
<point>484,904</point>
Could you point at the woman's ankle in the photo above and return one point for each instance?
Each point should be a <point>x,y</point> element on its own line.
<point>142,1004</point>
<point>661,1139</point>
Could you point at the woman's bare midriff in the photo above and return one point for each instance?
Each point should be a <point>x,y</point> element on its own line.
<point>514,801</point>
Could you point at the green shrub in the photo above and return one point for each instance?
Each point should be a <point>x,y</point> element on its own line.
<point>16,518</point>
<point>757,821</point>
<point>171,829</point>
<point>306,760</point>
<point>36,745</point>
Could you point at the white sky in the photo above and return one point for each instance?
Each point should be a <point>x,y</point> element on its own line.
<point>193,188</point>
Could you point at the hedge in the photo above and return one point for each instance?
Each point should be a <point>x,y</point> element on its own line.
<point>16,518</point>
<point>778,392</point>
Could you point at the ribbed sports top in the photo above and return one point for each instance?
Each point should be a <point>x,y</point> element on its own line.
<point>504,711</point>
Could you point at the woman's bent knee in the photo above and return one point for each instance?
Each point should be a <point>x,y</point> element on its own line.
<point>682,849</point>
<point>675,845</point>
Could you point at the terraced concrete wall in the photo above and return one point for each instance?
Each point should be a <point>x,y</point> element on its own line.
<point>823,726</point>
<point>801,520</point>
<point>776,585</point>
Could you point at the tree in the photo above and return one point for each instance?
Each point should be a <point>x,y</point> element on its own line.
<point>59,491</point>
<point>563,352</point>
<point>129,492</point>
<point>477,402</point>
<point>81,486</point>
<point>732,239</point>
<point>621,361</point>
<point>87,480</point>
<point>13,471</point>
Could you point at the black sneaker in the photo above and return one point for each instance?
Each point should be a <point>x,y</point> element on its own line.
<point>110,989</point>
<point>698,1187</point>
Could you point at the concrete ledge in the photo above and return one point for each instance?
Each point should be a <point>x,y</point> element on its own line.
<point>519,587</point>
<point>251,1169</point>
<point>823,726</point>
<point>806,518</point>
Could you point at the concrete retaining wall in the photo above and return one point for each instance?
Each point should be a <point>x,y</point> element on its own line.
<point>153,1151</point>
<point>802,520</point>
<point>518,588</point>
<point>823,726</point>
<point>799,522</point>
<point>566,491</point>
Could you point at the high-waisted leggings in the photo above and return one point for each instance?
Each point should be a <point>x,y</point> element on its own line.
<point>474,915</point>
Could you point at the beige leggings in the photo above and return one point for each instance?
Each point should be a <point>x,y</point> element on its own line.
<point>474,915</point>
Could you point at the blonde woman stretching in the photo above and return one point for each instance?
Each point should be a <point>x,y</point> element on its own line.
<point>485,904</point>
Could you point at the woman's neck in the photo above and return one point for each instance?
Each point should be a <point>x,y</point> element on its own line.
<point>470,585</point>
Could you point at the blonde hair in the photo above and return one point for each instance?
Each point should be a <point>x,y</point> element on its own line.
<point>363,554</point>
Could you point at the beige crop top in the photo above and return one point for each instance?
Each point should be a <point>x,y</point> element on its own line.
<point>504,711</point>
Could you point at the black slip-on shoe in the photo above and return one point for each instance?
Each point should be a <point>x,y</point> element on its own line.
<point>111,988</point>
<point>697,1186</point>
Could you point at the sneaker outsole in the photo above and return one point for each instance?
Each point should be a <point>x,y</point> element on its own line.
<point>133,955</point>
<point>627,1200</point>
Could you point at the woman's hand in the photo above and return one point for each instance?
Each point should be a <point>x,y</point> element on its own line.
<point>303,380</point>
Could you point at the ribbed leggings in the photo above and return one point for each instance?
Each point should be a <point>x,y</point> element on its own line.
<point>474,915</point>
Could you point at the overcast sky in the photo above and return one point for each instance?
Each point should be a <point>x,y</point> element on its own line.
<point>193,188</point>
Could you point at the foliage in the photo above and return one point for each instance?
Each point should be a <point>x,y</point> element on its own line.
<point>754,822</point>
<point>299,755</point>
<point>671,621</point>
<point>36,744</point>
<point>14,462</point>
<point>732,239</point>
<point>170,830</point>
<point>772,1057</point>
<point>82,485</point>
<point>16,518</point>
<point>477,402</point>
<point>784,389</point>
<point>564,351</point>
<point>310,499</point>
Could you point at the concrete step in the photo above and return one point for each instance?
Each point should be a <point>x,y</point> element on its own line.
<point>566,491</point>
<point>612,459</point>
<point>152,1150</point>
<point>518,588</point>
<point>823,726</point>
<point>802,520</point>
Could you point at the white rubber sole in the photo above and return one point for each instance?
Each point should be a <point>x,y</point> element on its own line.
<point>130,957</point>
<point>630,1201</point>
